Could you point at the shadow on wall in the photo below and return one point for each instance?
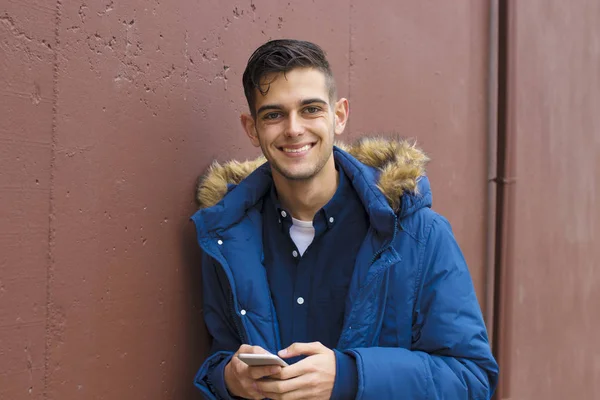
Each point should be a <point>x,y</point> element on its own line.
<point>196,329</point>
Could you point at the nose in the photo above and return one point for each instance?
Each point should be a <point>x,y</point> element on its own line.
<point>294,126</point>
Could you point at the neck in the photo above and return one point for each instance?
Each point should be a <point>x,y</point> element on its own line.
<point>304,198</point>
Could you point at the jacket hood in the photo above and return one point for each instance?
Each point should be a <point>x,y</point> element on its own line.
<point>399,163</point>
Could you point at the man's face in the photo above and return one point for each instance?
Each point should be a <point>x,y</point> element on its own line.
<point>295,123</point>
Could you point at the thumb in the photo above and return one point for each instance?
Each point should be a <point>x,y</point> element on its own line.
<point>303,349</point>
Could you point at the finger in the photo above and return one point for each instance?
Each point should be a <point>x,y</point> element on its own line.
<point>303,367</point>
<point>259,372</point>
<point>244,382</point>
<point>259,350</point>
<point>298,349</point>
<point>252,392</point>
<point>275,388</point>
<point>239,367</point>
<point>300,394</point>
<point>245,348</point>
<point>255,392</point>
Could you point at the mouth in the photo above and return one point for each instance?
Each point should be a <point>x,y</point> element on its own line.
<point>298,150</point>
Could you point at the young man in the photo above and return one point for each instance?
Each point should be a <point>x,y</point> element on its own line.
<point>331,259</point>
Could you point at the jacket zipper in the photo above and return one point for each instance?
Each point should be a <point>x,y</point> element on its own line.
<point>384,248</point>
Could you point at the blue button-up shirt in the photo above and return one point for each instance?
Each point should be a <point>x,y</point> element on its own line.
<point>309,291</point>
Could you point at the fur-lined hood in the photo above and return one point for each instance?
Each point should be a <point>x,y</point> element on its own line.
<point>399,162</point>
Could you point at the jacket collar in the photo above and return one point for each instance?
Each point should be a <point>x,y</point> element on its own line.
<point>387,175</point>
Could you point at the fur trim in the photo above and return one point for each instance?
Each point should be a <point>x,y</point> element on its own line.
<point>212,187</point>
<point>401,163</point>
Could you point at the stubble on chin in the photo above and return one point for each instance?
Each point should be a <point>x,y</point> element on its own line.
<point>305,175</point>
<point>293,177</point>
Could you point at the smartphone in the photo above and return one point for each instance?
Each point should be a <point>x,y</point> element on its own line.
<point>256,360</point>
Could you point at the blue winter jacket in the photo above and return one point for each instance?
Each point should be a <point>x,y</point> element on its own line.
<point>412,320</point>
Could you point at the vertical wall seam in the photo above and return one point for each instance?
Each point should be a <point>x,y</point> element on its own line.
<point>502,345</point>
<point>492,173</point>
<point>51,206</point>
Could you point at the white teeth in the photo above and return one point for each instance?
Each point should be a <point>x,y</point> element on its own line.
<point>301,149</point>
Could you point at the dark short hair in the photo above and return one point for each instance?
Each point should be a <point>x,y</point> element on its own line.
<point>281,56</point>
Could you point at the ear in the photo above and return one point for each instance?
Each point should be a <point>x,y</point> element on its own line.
<point>250,129</point>
<point>341,110</point>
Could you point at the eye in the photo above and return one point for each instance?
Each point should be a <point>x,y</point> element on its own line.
<point>312,109</point>
<point>271,116</point>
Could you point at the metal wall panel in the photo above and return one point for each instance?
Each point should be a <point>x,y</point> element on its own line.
<point>26,126</point>
<point>553,119</point>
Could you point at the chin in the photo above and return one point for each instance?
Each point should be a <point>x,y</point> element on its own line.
<point>299,177</point>
<point>296,175</point>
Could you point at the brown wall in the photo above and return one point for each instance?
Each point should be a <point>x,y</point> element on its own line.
<point>110,110</point>
<point>551,333</point>
<point>26,119</point>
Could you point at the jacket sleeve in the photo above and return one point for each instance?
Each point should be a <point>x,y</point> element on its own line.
<point>225,341</point>
<point>450,356</point>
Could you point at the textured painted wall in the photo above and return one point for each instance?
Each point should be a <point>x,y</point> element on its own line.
<point>110,110</point>
<point>27,61</point>
<point>554,94</point>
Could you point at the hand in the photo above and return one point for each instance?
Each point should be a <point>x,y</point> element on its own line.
<point>311,378</point>
<point>241,379</point>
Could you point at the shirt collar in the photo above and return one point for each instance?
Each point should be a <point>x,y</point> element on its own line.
<point>326,216</point>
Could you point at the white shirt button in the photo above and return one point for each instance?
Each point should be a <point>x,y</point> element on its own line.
<point>243,312</point>
<point>295,253</point>
<point>300,300</point>
<point>283,214</point>
<point>331,220</point>
<point>220,242</point>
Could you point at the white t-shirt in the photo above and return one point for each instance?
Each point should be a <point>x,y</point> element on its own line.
<point>302,233</point>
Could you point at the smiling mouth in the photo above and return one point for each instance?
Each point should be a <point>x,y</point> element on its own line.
<point>296,150</point>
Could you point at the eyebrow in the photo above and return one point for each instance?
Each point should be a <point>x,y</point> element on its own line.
<point>280,107</point>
